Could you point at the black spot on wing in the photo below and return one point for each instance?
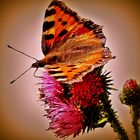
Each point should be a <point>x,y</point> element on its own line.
<point>48,25</point>
<point>49,36</point>
<point>53,67</point>
<point>63,32</point>
<point>71,65</point>
<point>54,72</point>
<point>60,19</point>
<point>64,23</point>
<point>45,47</point>
<point>71,70</point>
<point>60,76</point>
<point>50,12</point>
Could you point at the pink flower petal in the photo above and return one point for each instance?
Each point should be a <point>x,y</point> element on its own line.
<point>65,118</point>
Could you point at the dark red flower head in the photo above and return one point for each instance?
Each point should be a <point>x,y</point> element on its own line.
<point>86,93</point>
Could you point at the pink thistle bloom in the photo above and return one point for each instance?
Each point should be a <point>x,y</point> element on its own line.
<point>65,118</point>
<point>86,93</point>
<point>50,88</point>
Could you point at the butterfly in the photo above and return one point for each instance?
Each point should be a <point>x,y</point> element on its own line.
<point>72,45</point>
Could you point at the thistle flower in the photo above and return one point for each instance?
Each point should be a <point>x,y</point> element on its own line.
<point>130,94</point>
<point>50,88</point>
<point>86,93</point>
<point>130,84</point>
<point>65,118</point>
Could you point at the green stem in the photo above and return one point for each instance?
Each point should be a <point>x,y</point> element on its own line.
<point>135,117</point>
<point>112,118</point>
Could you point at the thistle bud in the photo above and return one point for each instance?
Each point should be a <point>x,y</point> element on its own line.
<point>130,94</point>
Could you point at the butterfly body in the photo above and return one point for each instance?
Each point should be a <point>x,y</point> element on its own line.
<point>49,59</point>
<point>72,46</point>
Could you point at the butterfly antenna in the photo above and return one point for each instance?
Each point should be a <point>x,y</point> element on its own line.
<point>21,52</point>
<point>19,76</point>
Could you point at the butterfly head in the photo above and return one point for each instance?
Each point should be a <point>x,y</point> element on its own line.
<point>38,63</point>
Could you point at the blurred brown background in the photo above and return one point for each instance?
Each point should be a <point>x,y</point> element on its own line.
<point>21,115</point>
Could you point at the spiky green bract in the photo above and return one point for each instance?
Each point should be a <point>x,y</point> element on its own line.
<point>94,117</point>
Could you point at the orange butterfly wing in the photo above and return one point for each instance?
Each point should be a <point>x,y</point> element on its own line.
<point>61,23</point>
<point>80,41</point>
<point>58,22</point>
<point>74,71</point>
